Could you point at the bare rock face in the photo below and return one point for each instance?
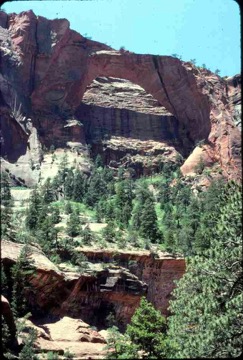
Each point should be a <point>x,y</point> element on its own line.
<point>115,289</point>
<point>234,93</point>
<point>85,295</point>
<point>159,273</point>
<point>67,334</point>
<point>46,72</point>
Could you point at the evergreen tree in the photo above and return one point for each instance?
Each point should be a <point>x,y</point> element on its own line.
<point>68,208</point>
<point>79,187</point>
<point>6,197</point>
<point>47,193</point>
<point>164,194</point>
<point>147,330</point>
<point>6,203</point>
<point>21,270</point>
<point>97,187</point>
<point>99,161</point>
<point>7,351</point>
<point>190,218</point>
<point>123,201</point>
<point>120,346</point>
<point>73,224</point>
<point>211,201</point>
<point>108,208</point>
<point>109,232</point>
<point>87,235</point>
<point>144,218</point>
<point>55,215</point>
<point>206,319</point>
<point>4,282</point>
<point>148,218</point>
<point>69,184</point>
<point>136,219</point>
<point>52,356</point>
<point>145,334</point>
<point>33,211</point>
<point>27,352</point>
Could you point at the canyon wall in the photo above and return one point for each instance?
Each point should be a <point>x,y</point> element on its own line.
<point>47,68</point>
<point>115,286</point>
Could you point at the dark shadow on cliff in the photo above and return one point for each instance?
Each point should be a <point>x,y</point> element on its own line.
<point>14,140</point>
<point>101,123</point>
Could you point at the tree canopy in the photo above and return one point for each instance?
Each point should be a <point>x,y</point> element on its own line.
<point>207,318</point>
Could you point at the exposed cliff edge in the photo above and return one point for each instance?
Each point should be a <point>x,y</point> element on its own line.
<point>108,288</point>
<point>59,297</point>
<point>46,73</point>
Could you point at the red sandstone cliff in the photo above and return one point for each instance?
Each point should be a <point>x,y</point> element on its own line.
<point>46,69</point>
<point>116,289</point>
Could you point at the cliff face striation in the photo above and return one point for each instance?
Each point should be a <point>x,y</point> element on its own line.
<point>107,289</point>
<point>58,87</point>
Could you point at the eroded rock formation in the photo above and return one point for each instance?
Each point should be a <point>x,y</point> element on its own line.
<point>93,295</point>
<point>158,272</point>
<point>46,69</point>
<point>67,334</point>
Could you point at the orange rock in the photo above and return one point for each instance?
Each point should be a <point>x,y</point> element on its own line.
<point>54,65</point>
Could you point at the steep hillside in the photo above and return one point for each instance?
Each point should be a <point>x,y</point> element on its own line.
<point>115,167</point>
<point>60,89</point>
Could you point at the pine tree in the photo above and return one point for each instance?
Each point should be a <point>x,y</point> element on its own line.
<point>148,218</point>
<point>68,208</point>
<point>46,192</point>
<point>206,319</point>
<point>73,224</point>
<point>21,270</point>
<point>144,218</point>
<point>69,184</point>
<point>6,203</point>
<point>33,211</point>
<point>55,215</point>
<point>146,334</point>
<point>6,197</point>
<point>147,330</point>
<point>27,352</point>
<point>97,187</point>
<point>136,219</point>
<point>79,187</point>
<point>123,202</point>
<point>164,194</point>
<point>109,232</point>
<point>99,161</point>
<point>87,235</point>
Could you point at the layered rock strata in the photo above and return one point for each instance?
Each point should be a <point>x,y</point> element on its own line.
<point>46,69</point>
<point>94,294</point>
<point>85,295</point>
<point>159,271</point>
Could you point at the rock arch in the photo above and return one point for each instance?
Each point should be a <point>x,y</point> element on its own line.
<point>117,107</point>
<point>165,78</point>
<point>52,73</point>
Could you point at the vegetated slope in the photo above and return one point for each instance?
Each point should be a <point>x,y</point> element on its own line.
<point>109,137</point>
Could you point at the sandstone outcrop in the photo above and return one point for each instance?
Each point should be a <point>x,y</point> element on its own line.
<point>46,75</point>
<point>67,334</point>
<point>234,93</point>
<point>80,295</point>
<point>158,272</point>
<point>114,289</point>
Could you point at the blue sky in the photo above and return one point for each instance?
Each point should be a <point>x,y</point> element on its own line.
<point>205,30</point>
